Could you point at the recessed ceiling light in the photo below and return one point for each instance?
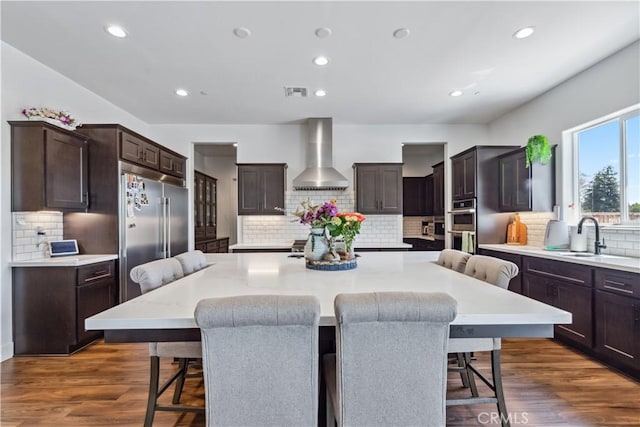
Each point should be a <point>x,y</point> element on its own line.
<point>116,31</point>
<point>323,32</point>
<point>455,93</point>
<point>241,32</point>
<point>181,92</point>
<point>321,60</point>
<point>320,92</point>
<point>523,33</point>
<point>401,33</point>
<point>235,144</point>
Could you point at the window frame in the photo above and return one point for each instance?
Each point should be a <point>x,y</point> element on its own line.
<point>621,117</point>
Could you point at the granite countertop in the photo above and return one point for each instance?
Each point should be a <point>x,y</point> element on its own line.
<point>614,262</point>
<point>64,261</point>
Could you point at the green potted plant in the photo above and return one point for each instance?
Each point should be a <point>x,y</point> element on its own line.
<point>538,150</point>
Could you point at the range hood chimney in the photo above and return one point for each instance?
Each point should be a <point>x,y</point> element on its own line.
<point>320,174</point>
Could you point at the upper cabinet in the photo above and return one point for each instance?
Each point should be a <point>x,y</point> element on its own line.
<point>438,189</point>
<point>48,168</point>
<point>526,189</point>
<point>463,175</point>
<point>137,150</point>
<point>261,188</point>
<point>172,164</point>
<point>378,188</point>
<point>417,196</point>
<point>475,174</point>
<point>414,192</point>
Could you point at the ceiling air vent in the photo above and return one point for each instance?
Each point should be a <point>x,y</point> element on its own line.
<point>300,92</point>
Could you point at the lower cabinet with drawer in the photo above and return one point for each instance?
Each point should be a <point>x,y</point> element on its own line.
<point>617,309</point>
<point>566,286</point>
<point>220,245</point>
<point>50,305</point>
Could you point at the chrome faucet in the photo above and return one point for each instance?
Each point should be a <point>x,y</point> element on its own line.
<point>598,245</point>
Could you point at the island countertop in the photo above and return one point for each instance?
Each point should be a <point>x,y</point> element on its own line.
<point>479,303</point>
<point>614,262</point>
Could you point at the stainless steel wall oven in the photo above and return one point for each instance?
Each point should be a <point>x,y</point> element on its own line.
<point>463,218</point>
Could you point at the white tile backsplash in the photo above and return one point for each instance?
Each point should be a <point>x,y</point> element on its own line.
<point>536,223</point>
<point>276,229</point>
<point>26,243</point>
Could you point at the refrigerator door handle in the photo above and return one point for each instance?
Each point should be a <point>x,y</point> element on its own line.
<point>164,228</point>
<point>167,224</point>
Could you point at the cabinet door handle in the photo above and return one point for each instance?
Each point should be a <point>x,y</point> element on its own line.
<point>557,276</point>
<point>100,275</point>
<point>613,288</point>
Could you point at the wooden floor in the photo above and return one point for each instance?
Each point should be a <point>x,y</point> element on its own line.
<point>546,384</point>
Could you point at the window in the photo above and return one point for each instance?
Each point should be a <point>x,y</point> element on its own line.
<point>607,155</point>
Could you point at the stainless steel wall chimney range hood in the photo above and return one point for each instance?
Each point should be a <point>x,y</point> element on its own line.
<point>320,174</point>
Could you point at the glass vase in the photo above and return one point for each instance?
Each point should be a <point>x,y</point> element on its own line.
<point>316,245</point>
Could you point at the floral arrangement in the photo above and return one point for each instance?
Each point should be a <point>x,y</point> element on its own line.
<point>47,113</point>
<point>326,215</point>
<point>346,225</point>
<point>317,215</point>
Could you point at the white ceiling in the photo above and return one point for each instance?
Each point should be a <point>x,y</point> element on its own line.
<point>372,77</point>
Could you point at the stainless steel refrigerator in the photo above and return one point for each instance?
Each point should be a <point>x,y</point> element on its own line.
<point>153,225</point>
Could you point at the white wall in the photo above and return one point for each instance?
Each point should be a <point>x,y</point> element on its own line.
<point>608,86</point>
<point>28,83</point>
<point>418,160</point>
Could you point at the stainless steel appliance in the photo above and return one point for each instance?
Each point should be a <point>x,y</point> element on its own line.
<point>153,225</point>
<point>463,218</point>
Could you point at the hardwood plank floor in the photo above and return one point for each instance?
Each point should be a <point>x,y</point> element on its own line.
<point>546,384</point>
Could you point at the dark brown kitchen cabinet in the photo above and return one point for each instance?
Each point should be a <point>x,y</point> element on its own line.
<point>220,245</point>
<point>172,164</point>
<point>378,188</point>
<point>438,189</point>
<point>49,168</point>
<point>139,150</point>
<point>205,206</point>
<point>414,196</point>
<point>463,175</point>
<point>566,286</point>
<point>261,188</point>
<point>515,285</point>
<point>525,189</point>
<point>50,305</point>
<point>617,311</point>
<point>198,208</point>
<point>136,150</point>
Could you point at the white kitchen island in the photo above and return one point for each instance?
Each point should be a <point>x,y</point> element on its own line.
<point>484,310</point>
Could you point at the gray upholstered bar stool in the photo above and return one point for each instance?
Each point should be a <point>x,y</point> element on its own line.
<point>260,360</point>
<point>497,272</point>
<point>457,261</point>
<point>453,259</point>
<point>390,363</point>
<point>150,276</point>
<point>192,261</point>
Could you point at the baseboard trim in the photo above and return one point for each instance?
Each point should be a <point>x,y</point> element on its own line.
<point>6,351</point>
